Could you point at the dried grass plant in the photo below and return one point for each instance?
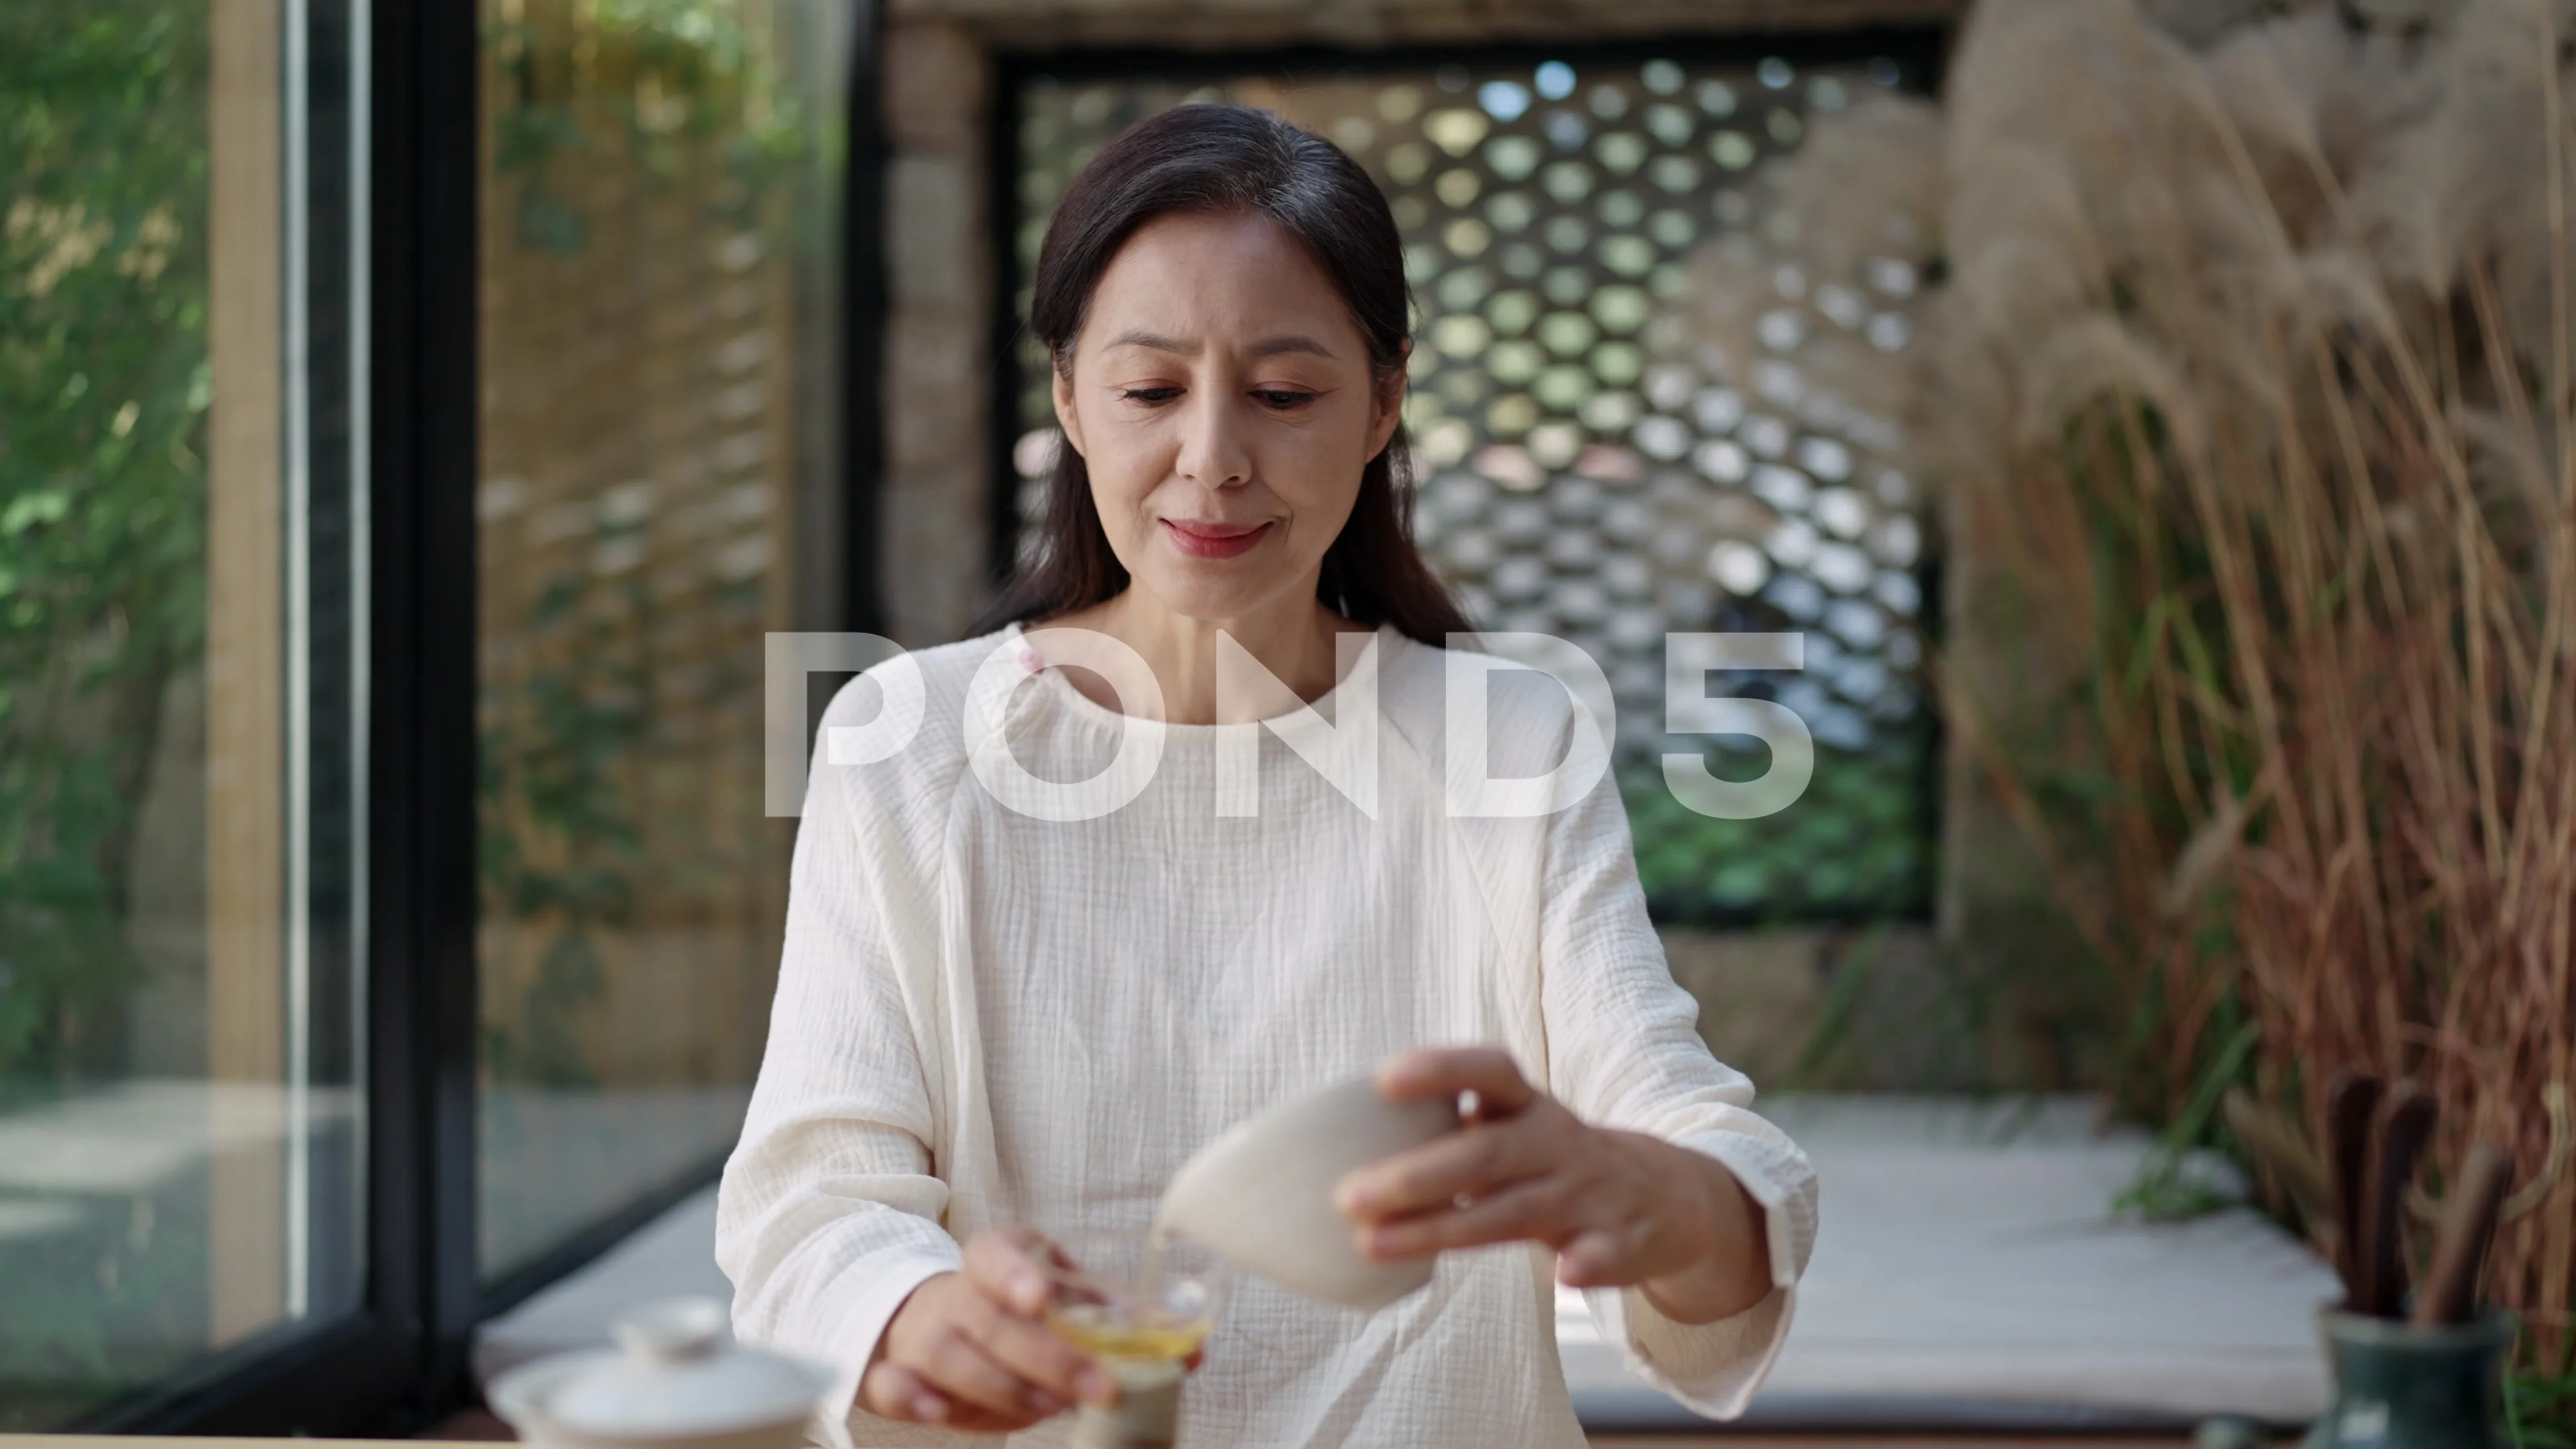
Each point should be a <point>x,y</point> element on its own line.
<point>2251,379</point>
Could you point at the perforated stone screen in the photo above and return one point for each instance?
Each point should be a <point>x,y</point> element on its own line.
<point>1589,465</point>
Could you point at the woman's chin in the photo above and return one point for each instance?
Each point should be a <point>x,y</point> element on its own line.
<point>1214,589</point>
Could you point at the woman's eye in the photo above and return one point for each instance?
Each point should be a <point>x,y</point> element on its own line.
<point>1282,398</point>
<point>1149,394</point>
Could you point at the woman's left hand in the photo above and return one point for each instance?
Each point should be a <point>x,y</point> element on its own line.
<point>1620,1209</point>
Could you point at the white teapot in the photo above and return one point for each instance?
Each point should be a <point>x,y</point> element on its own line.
<point>676,1380</point>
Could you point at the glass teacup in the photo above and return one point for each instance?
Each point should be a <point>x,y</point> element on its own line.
<point>1160,1311</point>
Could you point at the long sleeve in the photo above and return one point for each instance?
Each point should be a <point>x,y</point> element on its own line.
<point>829,1214</point>
<point>984,1018</point>
<point>1623,1052</point>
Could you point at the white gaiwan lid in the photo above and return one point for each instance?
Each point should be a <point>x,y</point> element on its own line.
<point>679,1373</point>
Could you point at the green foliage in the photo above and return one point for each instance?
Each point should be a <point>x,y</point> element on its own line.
<point>2167,1188</point>
<point>1858,842</point>
<point>2540,1406</point>
<point>103,400</point>
<point>560,837</point>
<point>670,84</point>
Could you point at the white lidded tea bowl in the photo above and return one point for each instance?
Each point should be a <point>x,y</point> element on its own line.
<point>1261,1194</point>
<point>676,1380</point>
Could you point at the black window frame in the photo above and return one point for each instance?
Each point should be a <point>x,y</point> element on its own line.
<point>402,1362</point>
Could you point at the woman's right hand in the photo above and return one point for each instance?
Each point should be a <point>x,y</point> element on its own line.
<point>969,1350</point>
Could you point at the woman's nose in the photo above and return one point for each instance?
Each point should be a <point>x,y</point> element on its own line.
<point>1212,445</point>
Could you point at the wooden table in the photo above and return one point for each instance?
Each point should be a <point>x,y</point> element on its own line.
<point>1892,1441</point>
<point>1606,1442</point>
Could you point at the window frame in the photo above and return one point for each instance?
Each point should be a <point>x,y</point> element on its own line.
<point>400,78</point>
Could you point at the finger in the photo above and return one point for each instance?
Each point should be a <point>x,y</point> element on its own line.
<point>1438,1173</point>
<point>1595,1258</point>
<point>958,1367</point>
<point>891,1391</point>
<point>1034,1353</point>
<point>1007,1265</point>
<point>1531,1211</point>
<point>1429,1072</point>
<point>1041,1249</point>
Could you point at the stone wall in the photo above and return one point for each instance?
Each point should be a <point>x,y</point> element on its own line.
<point>937,506</point>
<point>1231,24</point>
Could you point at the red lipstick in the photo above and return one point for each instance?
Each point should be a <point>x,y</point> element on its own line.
<point>1214,540</point>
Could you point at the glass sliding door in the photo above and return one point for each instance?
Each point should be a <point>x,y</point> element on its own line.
<point>241,1187</point>
<point>658,470</point>
<point>181,1153</point>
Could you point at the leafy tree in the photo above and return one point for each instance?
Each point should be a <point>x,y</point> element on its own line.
<point>103,401</point>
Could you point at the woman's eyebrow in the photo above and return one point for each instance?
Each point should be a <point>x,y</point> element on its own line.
<point>1156,341</point>
<point>1267,347</point>
<point>1274,346</point>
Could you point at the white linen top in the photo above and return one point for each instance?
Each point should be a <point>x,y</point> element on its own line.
<point>985,1018</point>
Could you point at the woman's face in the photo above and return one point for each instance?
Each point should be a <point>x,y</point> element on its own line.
<point>1222,398</point>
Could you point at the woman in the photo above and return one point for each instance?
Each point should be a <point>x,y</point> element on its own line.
<point>1009,1002</point>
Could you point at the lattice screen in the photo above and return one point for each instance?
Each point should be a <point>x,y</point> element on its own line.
<point>1591,464</point>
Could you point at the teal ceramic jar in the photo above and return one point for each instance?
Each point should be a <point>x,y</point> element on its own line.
<point>2397,1386</point>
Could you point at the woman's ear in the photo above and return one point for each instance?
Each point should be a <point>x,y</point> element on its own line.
<point>1390,401</point>
<point>1064,418</point>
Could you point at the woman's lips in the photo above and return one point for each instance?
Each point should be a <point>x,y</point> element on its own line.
<point>1214,540</point>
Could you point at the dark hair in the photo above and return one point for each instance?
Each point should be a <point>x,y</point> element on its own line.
<point>1217,159</point>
